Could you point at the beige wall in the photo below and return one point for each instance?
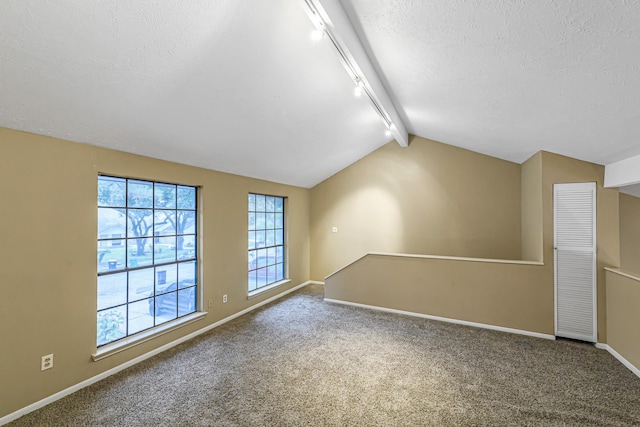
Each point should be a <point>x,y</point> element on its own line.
<point>48,228</point>
<point>429,198</point>
<point>531,208</point>
<point>499,294</point>
<point>561,169</point>
<point>630,233</point>
<point>623,316</point>
<point>465,290</point>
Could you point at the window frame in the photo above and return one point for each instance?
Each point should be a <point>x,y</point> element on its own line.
<point>256,252</point>
<point>185,262</point>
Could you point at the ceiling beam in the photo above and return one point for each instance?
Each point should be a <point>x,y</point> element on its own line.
<point>624,172</point>
<point>330,17</point>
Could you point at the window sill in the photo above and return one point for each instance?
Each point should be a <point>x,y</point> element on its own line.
<point>144,336</point>
<point>264,289</point>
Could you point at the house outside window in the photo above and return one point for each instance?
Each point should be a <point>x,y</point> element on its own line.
<point>266,240</point>
<point>147,255</point>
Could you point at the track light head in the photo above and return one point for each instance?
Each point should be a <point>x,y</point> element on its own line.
<point>316,35</point>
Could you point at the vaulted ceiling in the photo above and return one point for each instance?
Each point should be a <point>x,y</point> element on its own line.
<point>240,87</point>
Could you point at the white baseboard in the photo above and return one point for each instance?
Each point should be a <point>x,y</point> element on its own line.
<point>620,358</point>
<point>446,319</point>
<point>59,395</point>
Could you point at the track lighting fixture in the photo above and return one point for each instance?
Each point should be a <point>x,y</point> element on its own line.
<point>325,28</point>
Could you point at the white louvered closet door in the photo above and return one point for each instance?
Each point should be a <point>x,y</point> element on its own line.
<point>575,261</point>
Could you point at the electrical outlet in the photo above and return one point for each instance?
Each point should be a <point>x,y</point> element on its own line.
<point>210,303</point>
<point>224,298</point>
<point>46,362</point>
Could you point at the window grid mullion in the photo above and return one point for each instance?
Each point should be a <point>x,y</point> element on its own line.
<point>172,288</point>
<point>276,230</point>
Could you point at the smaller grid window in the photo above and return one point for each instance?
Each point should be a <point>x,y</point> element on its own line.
<point>266,240</point>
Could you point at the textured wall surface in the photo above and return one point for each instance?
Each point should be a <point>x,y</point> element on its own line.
<point>48,233</point>
<point>630,234</point>
<point>508,295</point>
<point>433,286</point>
<point>429,199</point>
<point>623,316</point>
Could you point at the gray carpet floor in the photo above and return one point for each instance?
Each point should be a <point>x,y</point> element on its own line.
<point>300,361</point>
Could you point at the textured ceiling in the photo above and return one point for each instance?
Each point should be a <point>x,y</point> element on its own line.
<point>230,85</point>
<point>509,78</point>
<point>238,86</point>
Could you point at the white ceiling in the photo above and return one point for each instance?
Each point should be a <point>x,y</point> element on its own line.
<point>238,86</point>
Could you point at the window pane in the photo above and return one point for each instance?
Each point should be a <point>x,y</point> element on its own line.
<point>271,256</point>
<point>261,275</point>
<point>111,255</point>
<point>187,274</point>
<point>260,221</point>
<point>166,278</point>
<point>112,324</point>
<point>186,222</point>
<point>140,284</point>
<point>164,223</point>
<point>278,221</point>
<point>186,197</point>
<point>164,196</point>
<point>252,239</point>
<point>261,261</point>
<point>279,237</point>
<point>270,204</point>
<point>166,307</point>
<point>139,252</point>
<point>252,202</point>
<point>140,194</point>
<point>112,191</point>
<point>186,247</point>
<point>112,290</point>
<point>252,221</point>
<point>270,220</point>
<point>164,249</point>
<point>252,280</point>
<point>186,301</point>
<point>139,222</point>
<point>252,259</point>
<point>139,316</point>
<point>260,239</point>
<point>279,272</point>
<point>280,254</point>
<point>280,204</point>
<point>270,238</point>
<point>103,256</point>
<point>260,203</point>
<point>271,274</point>
<point>111,221</point>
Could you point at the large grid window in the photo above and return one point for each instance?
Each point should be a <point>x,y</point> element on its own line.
<point>146,255</point>
<point>266,240</point>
